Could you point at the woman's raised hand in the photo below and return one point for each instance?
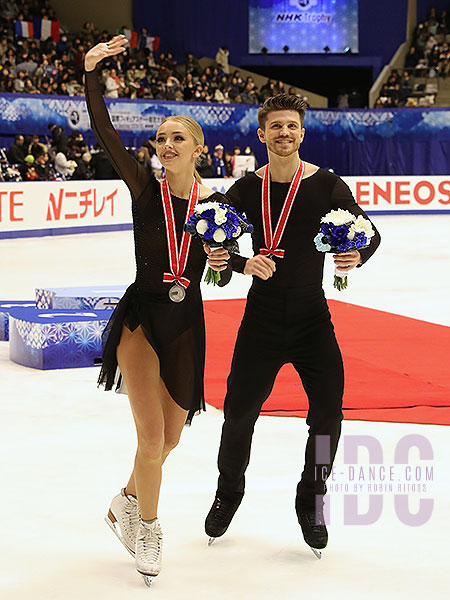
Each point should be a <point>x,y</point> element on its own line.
<point>102,50</point>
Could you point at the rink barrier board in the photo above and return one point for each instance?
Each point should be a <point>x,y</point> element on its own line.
<point>36,209</point>
<point>25,233</point>
<point>129,226</point>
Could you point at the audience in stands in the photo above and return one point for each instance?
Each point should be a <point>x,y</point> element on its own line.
<point>49,67</point>
<point>69,157</point>
<point>428,57</point>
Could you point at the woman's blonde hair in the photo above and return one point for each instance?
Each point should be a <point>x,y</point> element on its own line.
<point>194,129</point>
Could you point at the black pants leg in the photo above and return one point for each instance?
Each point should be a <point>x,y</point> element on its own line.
<point>252,375</point>
<point>319,363</point>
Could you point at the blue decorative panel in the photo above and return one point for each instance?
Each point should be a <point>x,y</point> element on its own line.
<point>80,298</point>
<point>45,339</point>
<point>5,306</point>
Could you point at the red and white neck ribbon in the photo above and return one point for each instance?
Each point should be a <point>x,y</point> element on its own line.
<point>177,259</point>
<point>271,240</point>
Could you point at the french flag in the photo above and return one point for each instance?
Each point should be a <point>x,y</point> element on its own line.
<point>24,29</point>
<point>132,37</point>
<point>43,29</point>
<point>152,43</point>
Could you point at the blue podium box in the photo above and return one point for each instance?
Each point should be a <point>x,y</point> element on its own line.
<point>80,298</point>
<point>49,339</point>
<point>5,308</point>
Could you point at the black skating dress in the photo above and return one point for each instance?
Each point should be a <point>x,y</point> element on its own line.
<point>176,331</point>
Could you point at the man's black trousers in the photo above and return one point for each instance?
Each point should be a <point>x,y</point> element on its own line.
<point>283,325</point>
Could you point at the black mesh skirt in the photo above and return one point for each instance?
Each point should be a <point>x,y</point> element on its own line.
<point>176,331</point>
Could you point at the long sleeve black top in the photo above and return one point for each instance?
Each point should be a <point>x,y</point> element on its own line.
<point>302,265</point>
<point>148,215</point>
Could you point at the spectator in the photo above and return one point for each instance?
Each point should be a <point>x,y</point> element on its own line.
<point>17,152</point>
<point>188,87</point>
<point>64,163</point>
<point>279,88</point>
<point>236,152</point>
<point>101,166</point>
<point>218,163</point>
<point>249,95</point>
<point>28,65</point>
<point>19,82</point>
<point>412,59</point>
<point>36,147</point>
<point>83,170</point>
<point>219,96</point>
<point>249,152</point>
<point>204,163</point>
<point>4,47</point>
<point>443,65</point>
<point>143,157</point>
<point>28,170</point>
<point>59,137</point>
<point>267,90</point>
<point>192,65</point>
<point>222,59</point>
<point>228,165</point>
<point>42,168</point>
<point>29,87</point>
<point>112,84</point>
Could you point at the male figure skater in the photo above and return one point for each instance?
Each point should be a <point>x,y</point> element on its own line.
<point>286,317</point>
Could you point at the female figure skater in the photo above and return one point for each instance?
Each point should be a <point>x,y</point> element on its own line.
<point>156,333</point>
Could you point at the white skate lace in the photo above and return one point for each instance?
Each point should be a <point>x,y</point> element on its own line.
<point>149,550</point>
<point>131,518</point>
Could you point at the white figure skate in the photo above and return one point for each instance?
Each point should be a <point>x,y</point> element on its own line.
<point>149,550</point>
<point>123,517</point>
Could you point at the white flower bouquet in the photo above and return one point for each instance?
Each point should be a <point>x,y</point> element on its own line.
<point>218,226</point>
<point>341,231</point>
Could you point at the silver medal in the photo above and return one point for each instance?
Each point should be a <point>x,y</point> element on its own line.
<point>177,293</point>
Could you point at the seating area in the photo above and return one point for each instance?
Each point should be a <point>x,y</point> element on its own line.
<point>426,67</point>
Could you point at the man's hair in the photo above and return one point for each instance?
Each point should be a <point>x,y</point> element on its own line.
<point>281,102</point>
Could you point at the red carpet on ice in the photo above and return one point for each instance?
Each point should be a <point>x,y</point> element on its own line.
<point>396,368</point>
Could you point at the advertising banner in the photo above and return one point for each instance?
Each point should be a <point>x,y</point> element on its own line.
<point>55,208</point>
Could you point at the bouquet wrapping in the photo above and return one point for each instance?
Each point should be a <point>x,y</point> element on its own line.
<point>218,226</point>
<point>341,231</point>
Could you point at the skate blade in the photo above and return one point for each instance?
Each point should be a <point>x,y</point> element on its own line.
<point>115,529</point>
<point>317,553</point>
<point>211,541</point>
<point>148,580</point>
<point>148,577</point>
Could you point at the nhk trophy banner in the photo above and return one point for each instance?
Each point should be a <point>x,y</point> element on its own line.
<point>55,208</point>
<point>305,26</point>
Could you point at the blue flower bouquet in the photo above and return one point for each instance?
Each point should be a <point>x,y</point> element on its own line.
<point>340,232</point>
<point>218,226</point>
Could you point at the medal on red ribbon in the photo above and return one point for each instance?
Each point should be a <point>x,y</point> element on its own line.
<point>272,240</point>
<point>177,259</point>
